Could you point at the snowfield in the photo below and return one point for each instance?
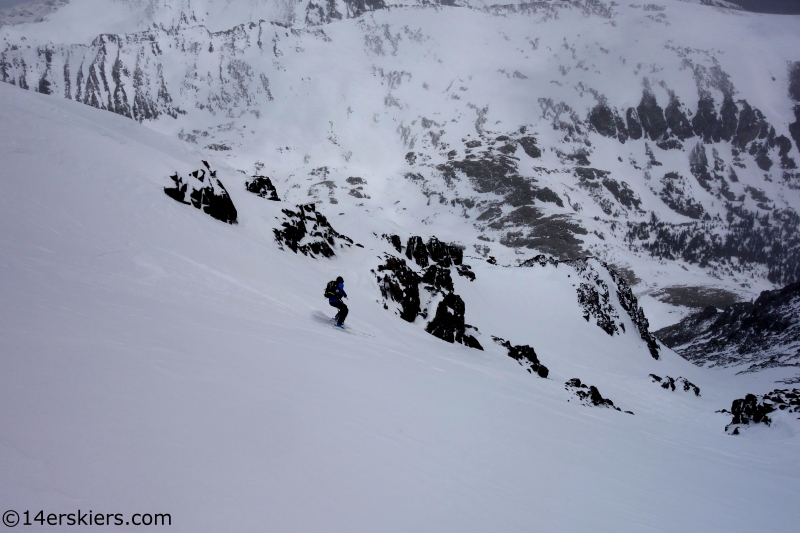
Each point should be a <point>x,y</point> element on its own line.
<point>157,360</point>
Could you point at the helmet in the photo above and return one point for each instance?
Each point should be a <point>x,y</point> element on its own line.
<point>340,279</point>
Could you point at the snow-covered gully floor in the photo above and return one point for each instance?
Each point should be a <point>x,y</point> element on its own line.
<point>155,360</point>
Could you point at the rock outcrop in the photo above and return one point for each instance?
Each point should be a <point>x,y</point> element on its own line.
<point>263,187</point>
<point>525,355</point>
<point>669,383</point>
<point>754,409</point>
<point>307,231</point>
<point>589,396</point>
<point>202,190</point>
<point>399,282</point>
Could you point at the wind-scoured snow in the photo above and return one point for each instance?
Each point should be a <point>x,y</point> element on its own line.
<point>156,359</point>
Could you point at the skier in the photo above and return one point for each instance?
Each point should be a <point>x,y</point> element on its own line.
<point>335,292</point>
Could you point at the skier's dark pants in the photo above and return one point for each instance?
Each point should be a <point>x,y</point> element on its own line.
<point>342,314</point>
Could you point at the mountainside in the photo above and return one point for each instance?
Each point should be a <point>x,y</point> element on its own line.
<point>756,335</point>
<point>626,132</point>
<point>168,349</point>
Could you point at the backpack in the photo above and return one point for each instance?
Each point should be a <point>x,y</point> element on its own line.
<point>330,289</point>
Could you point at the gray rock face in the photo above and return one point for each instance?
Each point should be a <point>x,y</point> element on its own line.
<point>762,334</point>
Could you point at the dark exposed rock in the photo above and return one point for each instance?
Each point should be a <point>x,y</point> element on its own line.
<point>602,119</point>
<point>553,234</point>
<point>668,383</point>
<point>622,193</point>
<point>705,122</point>
<point>794,81</point>
<point>444,254</point>
<point>489,214</point>
<point>752,125</point>
<point>589,395</point>
<point>263,187</point>
<point>395,241</point>
<point>676,119</point>
<point>634,126</point>
<point>416,250</point>
<point>438,279</point>
<point>630,304</point>
<point>794,127</point>
<point>400,283</point>
<point>441,253</point>
<point>728,118</point>
<point>207,193</point>
<point>402,287</point>
<point>498,174</point>
<point>674,194</point>
<point>528,145</point>
<point>763,334</point>
<point>448,323</point>
<point>754,409</point>
<point>651,117</point>
<point>507,149</point>
<point>526,356</point>
<point>466,271</point>
<point>308,232</point>
<point>590,173</point>
<point>356,8</point>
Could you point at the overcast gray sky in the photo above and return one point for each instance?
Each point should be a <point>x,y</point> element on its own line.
<point>761,6</point>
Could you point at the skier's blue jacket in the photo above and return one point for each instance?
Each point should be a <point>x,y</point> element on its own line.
<point>339,293</point>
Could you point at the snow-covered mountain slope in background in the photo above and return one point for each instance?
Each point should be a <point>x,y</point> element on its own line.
<point>159,360</point>
<point>760,334</point>
<point>631,133</point>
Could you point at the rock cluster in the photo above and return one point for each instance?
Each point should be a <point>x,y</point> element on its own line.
<point>308,232</point>
<point>525,355</point>
<point>668,383</point>
<point>263,187</point>
<point>589,395</point>
<point>754,409</point>
<point>400,283</point>
<point>204,192</point>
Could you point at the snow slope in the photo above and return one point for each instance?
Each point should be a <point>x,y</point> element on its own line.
<point>158,360</point>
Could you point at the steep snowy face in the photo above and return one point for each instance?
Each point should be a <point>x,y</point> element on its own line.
<point>631,133</point>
